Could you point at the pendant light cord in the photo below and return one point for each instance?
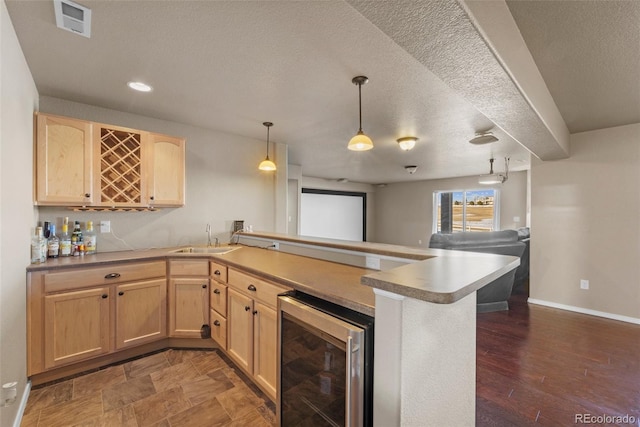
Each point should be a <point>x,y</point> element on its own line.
<point>360,105</point>
<point>268,142</point>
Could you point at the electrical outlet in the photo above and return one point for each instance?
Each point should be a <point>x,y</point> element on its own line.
<point>276,246</point>
<point>372,262</point>
<point>105,226</point>
<point>584,284</point>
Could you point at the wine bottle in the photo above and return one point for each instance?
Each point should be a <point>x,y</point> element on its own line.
<point>38,247</point>
<point>53,243</point>
<point>65,240</point>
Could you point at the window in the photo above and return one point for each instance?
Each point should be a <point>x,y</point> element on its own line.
<point>466,210</point>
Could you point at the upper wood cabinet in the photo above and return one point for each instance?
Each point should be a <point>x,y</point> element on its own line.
<point>165,176</point>
<point>81,163</point>
<point>64,174</point>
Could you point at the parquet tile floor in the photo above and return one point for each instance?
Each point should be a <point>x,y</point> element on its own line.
<point>166,389</point>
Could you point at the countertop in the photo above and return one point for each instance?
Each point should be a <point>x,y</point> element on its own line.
<point>439,276</point>
<point>338,283</point>
<point>433,275</point>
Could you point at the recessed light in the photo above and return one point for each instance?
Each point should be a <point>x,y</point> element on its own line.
<point>140,87</point>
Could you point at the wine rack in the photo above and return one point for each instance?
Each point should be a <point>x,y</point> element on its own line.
<point>120,167</point>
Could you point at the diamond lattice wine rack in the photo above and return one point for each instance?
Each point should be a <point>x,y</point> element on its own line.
<point>120,167</point>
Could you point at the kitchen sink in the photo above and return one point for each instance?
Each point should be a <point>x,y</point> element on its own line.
<point>206,250</point>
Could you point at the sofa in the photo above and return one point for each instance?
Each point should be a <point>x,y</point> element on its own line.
<point>494,296</point>
<point>522,272</point>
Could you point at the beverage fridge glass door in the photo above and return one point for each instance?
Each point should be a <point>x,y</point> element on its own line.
<point>321,365</point>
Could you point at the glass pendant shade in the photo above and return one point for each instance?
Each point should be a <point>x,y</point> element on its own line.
<point>360,142</point>
<point>267,164</point>
<point>407,143</point>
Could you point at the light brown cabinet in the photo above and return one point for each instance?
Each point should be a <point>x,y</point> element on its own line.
<point>79,314</point>
<point>165,177</point>
<point>64,167</point>
<point>252,327</point>
<point>141,312</point>
<point>82,163</point>
<point>218,304</point>
<point>188,297</point>
<point>76,326</point>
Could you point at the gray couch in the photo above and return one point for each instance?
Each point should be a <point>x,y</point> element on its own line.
<point>494,296</point>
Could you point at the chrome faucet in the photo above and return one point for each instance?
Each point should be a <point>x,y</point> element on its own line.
<point>208,230</point>
<point>217,242</point>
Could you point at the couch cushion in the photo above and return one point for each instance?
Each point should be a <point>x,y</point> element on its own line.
<point>460,240</point>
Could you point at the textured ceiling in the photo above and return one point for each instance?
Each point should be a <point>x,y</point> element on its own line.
<point>230,65</point>
<point>588,53</point>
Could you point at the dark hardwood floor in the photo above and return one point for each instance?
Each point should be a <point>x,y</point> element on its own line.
<point>544,366</point>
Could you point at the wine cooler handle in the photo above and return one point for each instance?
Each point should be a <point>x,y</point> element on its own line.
<point>348,409</point>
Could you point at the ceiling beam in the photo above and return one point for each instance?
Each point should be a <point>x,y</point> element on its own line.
<point>476,48</point>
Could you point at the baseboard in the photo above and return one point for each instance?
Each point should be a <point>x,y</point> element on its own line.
<point>23,404</point>
<point>597,313</point>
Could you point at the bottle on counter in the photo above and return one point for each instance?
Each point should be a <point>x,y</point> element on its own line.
<point>46,229</point>
<point>65,239</point>
<point>38,247</point>
<point>76,239</point>
<point>53,242</point>
<point>89,239</point>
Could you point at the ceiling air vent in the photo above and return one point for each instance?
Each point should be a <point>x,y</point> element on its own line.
<point>73,17</point>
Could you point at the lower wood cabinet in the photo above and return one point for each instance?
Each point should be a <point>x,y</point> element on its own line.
<point>76,326</point>
<point>78,314</point>
<point>252,333</point>
<point>188,297</point>
<point>141,312</point>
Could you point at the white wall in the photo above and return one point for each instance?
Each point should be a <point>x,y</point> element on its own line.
<point>585,223</point>
<point>404,211</point>
<point>223,184</point>
<point>18,100</point>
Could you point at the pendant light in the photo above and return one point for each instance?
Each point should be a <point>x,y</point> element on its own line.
<point>360,142</point>
<point>266,164</point>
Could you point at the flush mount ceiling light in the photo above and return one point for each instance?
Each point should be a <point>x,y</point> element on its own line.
<point>140,87</point>
<point>407,143</point>
<point>495,178</point>
<point>266,164</point>
<point>411,169</point>
<point>360,142</point>
<point>483,138</point>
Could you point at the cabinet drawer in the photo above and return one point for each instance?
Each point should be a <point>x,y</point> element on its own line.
<point>107,275</point>
<point>193,267</point>
<point>219,329</point>
<point>219,272</point>
<point>258,289</point>
<point>218,300</point>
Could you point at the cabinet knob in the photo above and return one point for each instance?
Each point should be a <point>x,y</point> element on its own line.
<point>216,291</point>
<point>112,276</point>
<point>255,312</point>
<point>152,198</point>
<point>247,308</point>
<point>217,272</point>
<point>105,296</point>
<point>204,286</point>
<point>87,195</point>
<point>216,323</point>
<point>121,293</point>
<point>252,288</point>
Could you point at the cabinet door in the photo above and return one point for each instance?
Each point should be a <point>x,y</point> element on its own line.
<point>76,326</point>
<point>119,166</point>
<point>265,337</point>
<point>189,306</point>
<point>240,329</point>
<point>63,161</point>
<point>141,312</point>
<point>166,171</point>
